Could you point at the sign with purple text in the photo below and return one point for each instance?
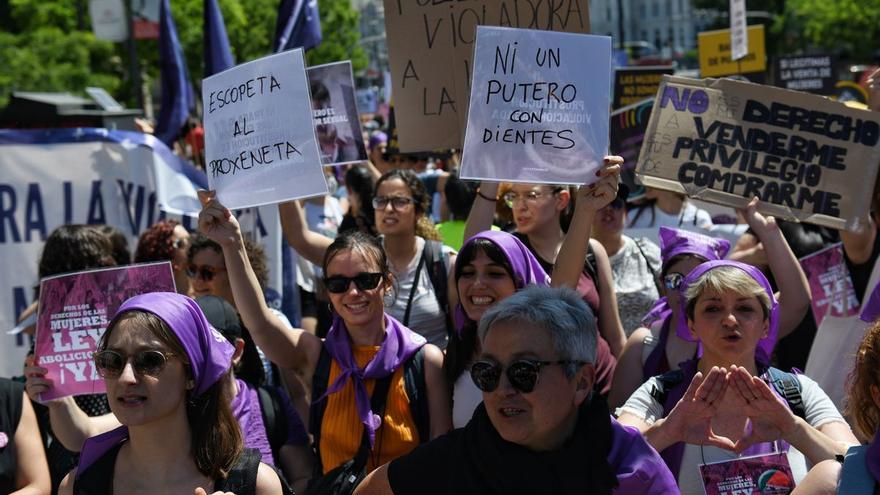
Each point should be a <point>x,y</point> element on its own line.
<point>74,312</point>
<point>830,283</point>
<point>768,474</point>
<point>539,107</point>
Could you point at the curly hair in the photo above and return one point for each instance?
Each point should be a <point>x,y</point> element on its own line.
<point>864,378</point>
<point>156,243</point>
<point>256,255</point>
<point>422,201</point>
<point>71,248</point>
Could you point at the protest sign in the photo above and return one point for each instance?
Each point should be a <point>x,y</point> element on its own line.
<point>716,58</point>
<point>830,283</point>
<point>769,473</point>
<point>538,108</point>
<point>75,310</point>
<point>627,132</point>
<point>739,40</point>
<point>806,157</point>
<point>810,73</point>
<point>634,84</point>
<point>430,52</point>
<point>260,143</point>
<point>337,124</point>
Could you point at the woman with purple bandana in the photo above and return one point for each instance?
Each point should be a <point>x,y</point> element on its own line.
<point>657,348</point>
<point>364,347</point>
<point>726,402</point>
<point>164,367</point>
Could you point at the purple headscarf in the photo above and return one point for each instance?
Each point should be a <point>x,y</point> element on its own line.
<point>526,268</point>
<point>674,242</point>
<point>766,344</point>
<point>209,353</point>
<point>399,345</point>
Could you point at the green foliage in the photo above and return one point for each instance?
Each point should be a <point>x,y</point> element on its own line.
<point>339,27</point>
<point>848,26</point>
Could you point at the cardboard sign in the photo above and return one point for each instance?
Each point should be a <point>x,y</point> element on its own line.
<point>830,283</point>
<point>538,108</point>
<point>334,108</point>
<point>806,157</point>
<point>260,143</point>
<point>810,73</point>
<point>716,58</point>
<point>758,475</point>
<point>75,310</point>
<point>430,47</point>
<point>634,84</point>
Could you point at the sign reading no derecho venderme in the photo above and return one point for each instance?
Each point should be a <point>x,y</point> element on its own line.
<point>806,157</point>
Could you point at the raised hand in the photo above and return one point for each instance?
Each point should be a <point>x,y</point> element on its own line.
<point>602,192</point>
<point>759,223</point>
<point>770,418</point>
<point>36,382</point>
<point>690,420</point>
<point>216,221</point>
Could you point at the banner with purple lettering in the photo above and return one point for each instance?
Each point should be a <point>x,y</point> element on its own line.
<point>75,309</point>
<point>830,283</point>
<point>806,157</point>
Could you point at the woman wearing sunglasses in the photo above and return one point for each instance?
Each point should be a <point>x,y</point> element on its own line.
<point>657,348</point>
<point>421,265</point>
<point>164,367</point>
<point>364,346</point>
<point>728,402</point>
<point>540,213</point>
<point>540,428</point>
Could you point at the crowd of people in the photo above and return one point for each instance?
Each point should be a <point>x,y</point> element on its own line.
<point>456,337</point>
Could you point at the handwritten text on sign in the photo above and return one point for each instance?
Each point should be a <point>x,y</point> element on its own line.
<point>259,146</point>
<point>727,141</point>
<point>430,51</point>
<point>539,106</point>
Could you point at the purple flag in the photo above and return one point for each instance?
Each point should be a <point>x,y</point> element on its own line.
<point>218,55</point>
<point>298,25</point>
<point>178,99</point>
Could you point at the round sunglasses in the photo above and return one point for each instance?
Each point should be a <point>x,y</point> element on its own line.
<point>522,373</point>
<point>147,362</point>
<point>338,284</point>
<point>205,272</point>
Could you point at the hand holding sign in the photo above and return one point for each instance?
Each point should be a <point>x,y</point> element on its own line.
<point>600,194</point>
<point>216,222</point>
<point>762,225</point>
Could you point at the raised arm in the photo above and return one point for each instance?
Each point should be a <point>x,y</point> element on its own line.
<point>794,290</point>
<point>483,210</point>
<point>32,477</point>
<point>289,348</point>
<point>310,245</point>
<point>610,326</point>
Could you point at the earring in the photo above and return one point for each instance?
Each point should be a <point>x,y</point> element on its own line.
<point>388,299</point>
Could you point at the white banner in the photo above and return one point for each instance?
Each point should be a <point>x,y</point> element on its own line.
<point>739,39</point>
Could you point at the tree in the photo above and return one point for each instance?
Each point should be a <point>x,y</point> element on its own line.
<point>341,33</point>
<point>850,27</point>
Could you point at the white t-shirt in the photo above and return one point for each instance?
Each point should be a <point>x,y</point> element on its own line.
<point>634,280</point>
<point>426,317</point>
<point>651,216</point>
<point>819,411</point>
<point>465,399</point>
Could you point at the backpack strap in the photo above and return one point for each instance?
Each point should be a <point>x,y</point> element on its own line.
<point>668,381</point>
<point>274,417</point>
<point>417,392</point>
<point>438,273</point>
<point>242,478</point>
<point>591,266</point>
<point>320,380</point>
<point>654,275</point>
<point>788,386</point>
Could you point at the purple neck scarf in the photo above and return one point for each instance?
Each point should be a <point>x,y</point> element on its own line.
<point>871,309</point>
<point>872,456</point>
<point>399,345</point>
<point>209,353</point>
<point>674,242</point>
<point>766,344</point>
<point>526,268</point>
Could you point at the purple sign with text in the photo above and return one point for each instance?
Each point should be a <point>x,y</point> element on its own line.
<point>74,312</point>
<point>768,474</point>
<point>830,283</point>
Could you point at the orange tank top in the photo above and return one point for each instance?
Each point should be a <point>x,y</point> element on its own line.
<point>341,428</point>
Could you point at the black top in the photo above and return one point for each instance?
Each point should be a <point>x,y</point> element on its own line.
<point>861,273</point>
<point>11,394</point>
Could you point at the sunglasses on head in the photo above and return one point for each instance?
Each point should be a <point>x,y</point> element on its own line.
<point>522,373</point>
<point>338,284</point>
<point>205,272</point>
<point>149,362</point>
<point>672,281</point>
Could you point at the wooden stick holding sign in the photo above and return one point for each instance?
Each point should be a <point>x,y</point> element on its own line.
<point>806,157</point>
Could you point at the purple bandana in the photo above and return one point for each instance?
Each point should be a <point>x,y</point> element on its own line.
<point>209,353</point>
<point>766,344</point>
<point>399,345</point>
<point>674,242</point>
<point>526,269</point>
<point>871,310</point>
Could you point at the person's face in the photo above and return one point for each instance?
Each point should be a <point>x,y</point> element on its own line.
<point>729,325</point>
<point>209,264</point>
<point>611,220</point>
<point>180,241</point>
<point>358,308</point>
<point>535,206</point>
<point>390,220</point>
<point>675,277</point>
<point>138,399</point>
<point>483,283</point>
<point>541,419</point>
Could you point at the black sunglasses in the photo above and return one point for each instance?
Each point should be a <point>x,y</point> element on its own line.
<point>206,272</point>
<point>149,362</point>
<point>522,373</point>
<point>338,284</point>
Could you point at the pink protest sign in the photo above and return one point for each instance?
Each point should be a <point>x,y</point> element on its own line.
<point>830,283</point>
<point>74,312</point>
<point>758,475</point>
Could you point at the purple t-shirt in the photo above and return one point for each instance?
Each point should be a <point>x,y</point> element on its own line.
<point>246,409</point>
